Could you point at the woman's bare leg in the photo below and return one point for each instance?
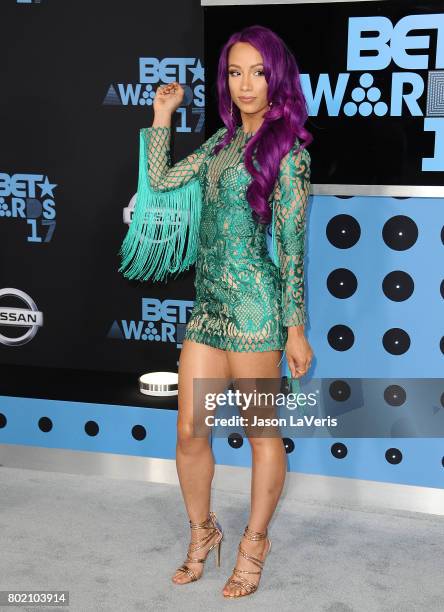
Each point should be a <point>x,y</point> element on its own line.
<point>269,465</point>
<point>194,457</point>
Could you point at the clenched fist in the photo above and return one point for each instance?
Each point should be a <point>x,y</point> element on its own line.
<point>168,97</point>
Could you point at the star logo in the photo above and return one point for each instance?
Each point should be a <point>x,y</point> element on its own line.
<point>47,187</point>
<point>198,72</point>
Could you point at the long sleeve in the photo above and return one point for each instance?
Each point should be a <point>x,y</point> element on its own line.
<point>162,175</point>
<point>288,232</point>
<point>163,234</point>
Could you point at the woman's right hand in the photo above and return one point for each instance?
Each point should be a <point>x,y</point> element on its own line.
<point>168,98</point>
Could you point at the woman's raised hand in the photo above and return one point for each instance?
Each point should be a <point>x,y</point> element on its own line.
<point>168,97</point>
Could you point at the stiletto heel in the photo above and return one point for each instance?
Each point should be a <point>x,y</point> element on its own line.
<point>218,552</point>
<point>248,587</point>
<point>213,526</point>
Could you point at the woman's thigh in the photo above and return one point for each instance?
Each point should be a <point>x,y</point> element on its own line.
<point>257,375</point>
<point>202,369</point>
<point>254,364</point>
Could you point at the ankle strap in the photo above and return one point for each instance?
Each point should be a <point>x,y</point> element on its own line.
<point>204,523</point>
<point>254,535</point>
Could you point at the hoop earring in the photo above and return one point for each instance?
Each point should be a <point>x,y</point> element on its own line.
<point>231,107</point>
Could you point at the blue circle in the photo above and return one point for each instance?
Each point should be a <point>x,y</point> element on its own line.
<point>5,206</point>
<point>150,324</point>
<point>157,337</point>
<point>365,109</point>
<point>373,94</point>
<point>143,336</point>
<point>150,336</point>
<point>142,101</point>
<point>145,94</point>
<point>358,94</point>
<point>366,79</point>
<point>2,214</point>
<point>380,109</point>
<point>350,109</point>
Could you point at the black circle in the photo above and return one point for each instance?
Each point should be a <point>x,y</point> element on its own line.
<point>339,390</point>
<point>393,455</point>
<point>288,445</point>
<point>398,285</point>
<point>342,283</point>
<point>339,450</point>
<point>441,345</point>
<point>235,440</point>
<point>442,399</point>
<point>396,341</point>
<point>343,231</point>
<point>91,428</point>
<point>395,395</point>
<point>400,232</point>
<point>45,424</point>
<point>441,288</point>
<point>340,337</point>
<point>138,432</point>
<point>3,420</point>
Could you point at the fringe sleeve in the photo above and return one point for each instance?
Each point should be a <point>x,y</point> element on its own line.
<point>163,234</point>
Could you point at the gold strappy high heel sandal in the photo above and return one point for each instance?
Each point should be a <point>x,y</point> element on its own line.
<point>213,527</point>
<point>248,587</point>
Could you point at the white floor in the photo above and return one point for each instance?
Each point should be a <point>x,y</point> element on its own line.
<point>114,544</point>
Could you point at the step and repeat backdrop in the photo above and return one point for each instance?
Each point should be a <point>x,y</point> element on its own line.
<point>78,79</point>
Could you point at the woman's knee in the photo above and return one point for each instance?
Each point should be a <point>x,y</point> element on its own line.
<point>266,444</point>
<point>188,439</point>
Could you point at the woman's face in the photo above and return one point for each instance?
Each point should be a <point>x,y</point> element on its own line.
<point>246,78</point>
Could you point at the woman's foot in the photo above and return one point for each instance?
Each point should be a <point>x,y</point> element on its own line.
<point>247,573</point>
<point>204,537</point>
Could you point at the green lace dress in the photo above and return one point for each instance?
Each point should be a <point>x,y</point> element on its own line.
<point>196,212</point>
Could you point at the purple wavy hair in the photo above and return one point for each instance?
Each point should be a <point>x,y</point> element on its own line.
<point>283,123</point>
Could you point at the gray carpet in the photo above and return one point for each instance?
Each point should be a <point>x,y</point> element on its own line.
<point>114,544</point>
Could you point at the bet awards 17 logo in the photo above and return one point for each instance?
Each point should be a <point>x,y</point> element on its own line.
<point>188,71</point>
<point>29,197</point>
<point>393,69</point>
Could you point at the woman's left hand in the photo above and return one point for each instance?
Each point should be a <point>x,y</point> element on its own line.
<point>298,352</point>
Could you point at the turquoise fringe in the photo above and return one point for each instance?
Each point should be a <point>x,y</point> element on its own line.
<point>154,244</point>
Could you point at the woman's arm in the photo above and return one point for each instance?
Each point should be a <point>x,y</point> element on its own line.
<point>289,223</point>
<point>162,175</point>
<point>163,234</point>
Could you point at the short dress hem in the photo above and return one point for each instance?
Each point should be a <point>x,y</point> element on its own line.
<point>202,338</point>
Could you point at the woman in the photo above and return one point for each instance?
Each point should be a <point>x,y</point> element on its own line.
<point>249,307</point>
